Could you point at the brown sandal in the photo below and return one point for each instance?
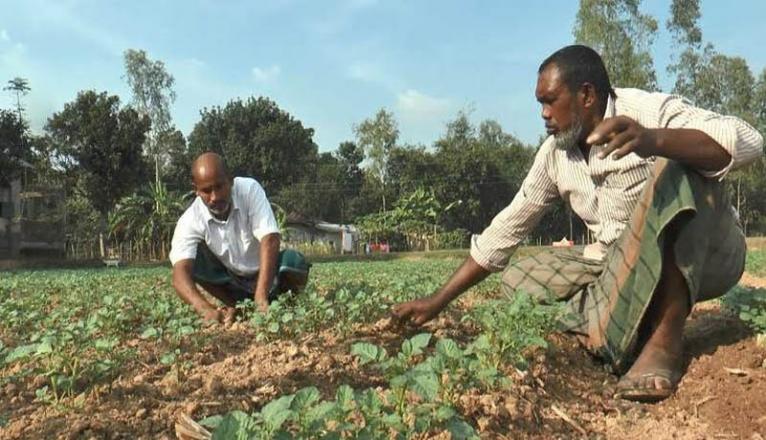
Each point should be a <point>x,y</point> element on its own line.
<point>627,389</point>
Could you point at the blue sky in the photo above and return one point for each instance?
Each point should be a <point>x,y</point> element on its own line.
<point>331,64</point>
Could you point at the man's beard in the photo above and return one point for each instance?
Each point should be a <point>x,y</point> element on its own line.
<point>567,139</point>
<point>220,212</point>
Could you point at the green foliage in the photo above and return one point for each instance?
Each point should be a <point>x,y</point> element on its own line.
<point>623,35</point>
<point>511,326</point>
<point>20,86</point>
<point>148,217</point>
<point>377,136</point>
<point>73,327</point>
<point>258,139</point>
<point>14,145</point>
<point>152,89</point>
<point>750,305</point>
<point>99,145</point>
<point>756,262</point>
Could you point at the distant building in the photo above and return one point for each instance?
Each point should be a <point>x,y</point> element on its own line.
<point>301,230</point>
<point>32,218</point>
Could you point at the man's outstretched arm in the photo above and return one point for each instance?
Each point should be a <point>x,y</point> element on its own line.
<point>187,290</point>
<point>269,253</point>
<point>421,310</point>
<point>491,250</point>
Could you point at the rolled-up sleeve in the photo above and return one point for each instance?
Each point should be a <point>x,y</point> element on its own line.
<point>186,237</point>
<point>261,216</point>
<point>494,246</point>
<point>737,137</point>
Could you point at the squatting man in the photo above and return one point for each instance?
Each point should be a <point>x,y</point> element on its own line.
<point>228,242</point>
<point>643,171</point>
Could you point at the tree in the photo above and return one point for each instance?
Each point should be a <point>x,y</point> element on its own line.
<point>152,88</point>
<point>148,217</point>
<point>377,136</point>
<point>484,171</point>
<point>20,87</point>
<point>256,138</point>
<point>622,35</point>
<point>319,195</point>
<point>13,134</point>
<point>99,145</point>
<point>725,85</point>
<point>177,173</point>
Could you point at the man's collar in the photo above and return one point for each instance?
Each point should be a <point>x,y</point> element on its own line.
<point>208,216</point>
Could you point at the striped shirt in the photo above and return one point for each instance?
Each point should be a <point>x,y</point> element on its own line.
<point>604,192</point>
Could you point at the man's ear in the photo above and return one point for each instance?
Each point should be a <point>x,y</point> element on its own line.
<point>588,95</point>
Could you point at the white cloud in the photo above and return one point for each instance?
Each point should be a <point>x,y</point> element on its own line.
<point>4,35</point>
<point>266,74</point>
<point>416,106</point>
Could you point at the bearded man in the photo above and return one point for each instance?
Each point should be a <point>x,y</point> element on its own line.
<point>643,171</point>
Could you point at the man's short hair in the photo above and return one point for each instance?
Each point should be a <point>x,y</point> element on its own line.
<point>580,64</point>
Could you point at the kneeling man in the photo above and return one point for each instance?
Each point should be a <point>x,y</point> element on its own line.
<point>227,241</point>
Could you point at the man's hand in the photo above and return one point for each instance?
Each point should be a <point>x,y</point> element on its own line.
<point>222,315</point>
<point>418,311</point>
<point>263,305</point>
<point>623,136</point>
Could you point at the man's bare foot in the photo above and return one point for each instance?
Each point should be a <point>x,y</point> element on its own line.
<point>653,377</point>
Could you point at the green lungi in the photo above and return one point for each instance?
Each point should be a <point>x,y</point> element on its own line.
<point>208,269</point>
<point>607,300</point>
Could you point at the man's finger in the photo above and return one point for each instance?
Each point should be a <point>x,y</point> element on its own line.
<point>625,150</point>
<point>616,142</point>
<point>605,130</point>
<point>401,311</point>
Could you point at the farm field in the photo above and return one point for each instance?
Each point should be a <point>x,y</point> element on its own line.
<point>112,353</point>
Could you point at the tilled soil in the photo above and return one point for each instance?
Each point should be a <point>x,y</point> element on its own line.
<point>564,394</point>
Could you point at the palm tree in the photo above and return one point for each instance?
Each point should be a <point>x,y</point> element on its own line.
<point>148,218</point>
<point>21,87</point>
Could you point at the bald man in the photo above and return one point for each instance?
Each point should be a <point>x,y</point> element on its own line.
<point>228,241</point>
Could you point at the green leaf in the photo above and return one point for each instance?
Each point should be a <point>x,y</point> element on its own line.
<point>276,412</point>
<point>426,385</point>
<point>20,352</point>
<point>168,358</point>
<point>304,399</point>
<point>344,396</point>
<point>320,412</point>
<point>211,422</point>
<point>449,348</point>
<point>445,413</point>
<point>368,352</point>
<point>106,343</point>
<point>418,343</point>
<point>369,401</point>
<point>237,426</point>
<point>44,348</point>
<point>461,430</point>
<point>150,332</point>
<point>393,421</point>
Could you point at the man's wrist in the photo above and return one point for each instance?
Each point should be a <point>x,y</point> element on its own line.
<point>659,139</point>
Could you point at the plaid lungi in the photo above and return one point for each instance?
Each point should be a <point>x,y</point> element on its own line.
<point>607,300</point>
<point>209,269</point>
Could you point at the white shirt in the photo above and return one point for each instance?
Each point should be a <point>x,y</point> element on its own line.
<point>236,240</point>
<point>604,192</point>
